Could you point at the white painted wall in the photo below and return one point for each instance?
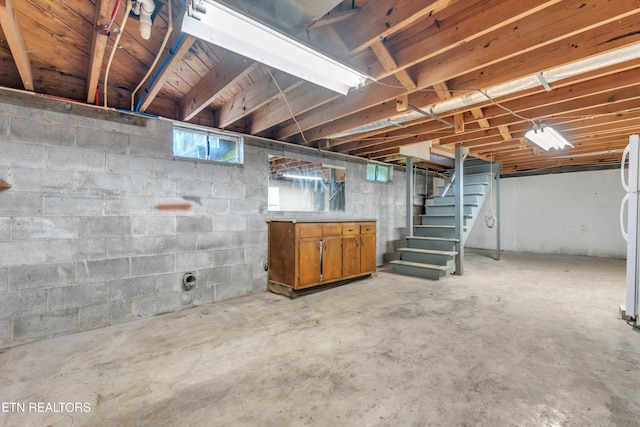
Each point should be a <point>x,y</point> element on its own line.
<point>571,213</point>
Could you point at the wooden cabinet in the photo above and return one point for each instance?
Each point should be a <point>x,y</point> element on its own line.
<point>305,254</point>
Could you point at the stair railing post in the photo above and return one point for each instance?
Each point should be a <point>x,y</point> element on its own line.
<point>409,173</point>
<point>497,215</point>
<point>459,209</point>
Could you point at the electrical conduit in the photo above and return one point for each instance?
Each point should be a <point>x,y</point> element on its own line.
<point>155,76</point>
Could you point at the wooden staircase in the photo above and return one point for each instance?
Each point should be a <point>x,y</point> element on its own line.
<point>430,251</point>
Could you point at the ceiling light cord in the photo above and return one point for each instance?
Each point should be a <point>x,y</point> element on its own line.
<point>284,97</point>
<point>509,110</point>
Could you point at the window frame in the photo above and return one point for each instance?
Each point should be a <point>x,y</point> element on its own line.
<point>210,135</point>
<point>389,172</point>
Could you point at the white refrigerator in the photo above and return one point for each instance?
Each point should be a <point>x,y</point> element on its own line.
<point>632,233</point>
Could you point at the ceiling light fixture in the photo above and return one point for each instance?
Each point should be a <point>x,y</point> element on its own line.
<point>546,137</point>
<point>304,177</point>
<point>225,27</point>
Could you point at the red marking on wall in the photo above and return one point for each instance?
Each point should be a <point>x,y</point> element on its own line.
<point>174,207</point>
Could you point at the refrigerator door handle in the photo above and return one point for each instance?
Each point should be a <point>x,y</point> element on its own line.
<point>625,153</point>
<point>625,200</point>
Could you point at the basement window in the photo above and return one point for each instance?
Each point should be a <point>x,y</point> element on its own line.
<point>196,143</point>
<point>379,173</point>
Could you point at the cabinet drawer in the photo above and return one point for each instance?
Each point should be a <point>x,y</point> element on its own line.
<point>331,230</point>
<point>368,228</point>
<point>350,229</point>
<point>309,230</point>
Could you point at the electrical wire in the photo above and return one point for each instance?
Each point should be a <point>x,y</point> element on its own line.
<point>632,325</point>
<point>107,28</point>
<point>448,91</point>
<point>155,61</point>
<point>115,45</point>
<point>284,97</point>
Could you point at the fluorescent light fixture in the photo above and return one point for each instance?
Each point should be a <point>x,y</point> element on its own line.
<point>225,27</point>
<point>307,177</point>
<point>546,137</point>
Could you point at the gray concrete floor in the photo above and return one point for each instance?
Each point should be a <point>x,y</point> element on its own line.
<point>528,341</point>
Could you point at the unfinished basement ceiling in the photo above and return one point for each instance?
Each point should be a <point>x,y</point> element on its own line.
<point>442,56</point>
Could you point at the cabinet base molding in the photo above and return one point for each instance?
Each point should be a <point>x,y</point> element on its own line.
<point>289,292</point>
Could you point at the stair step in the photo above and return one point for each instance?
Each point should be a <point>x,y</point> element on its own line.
<point>442,239</point>
<point>447,231</point>
<point>473,205</point>
<point>432,243</point>
<point>416,269</point>
<point>429,251</point>
<point>428,256</point>
<point>441,219</point>
<point>420,265</point>
<point>445,215</point>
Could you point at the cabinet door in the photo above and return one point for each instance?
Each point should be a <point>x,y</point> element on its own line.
<point>367,253</point>
<point>351,255</point>
<point>308,262</point>
<point>331,258</point>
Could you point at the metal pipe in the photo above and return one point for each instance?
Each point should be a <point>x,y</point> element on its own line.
<point>498,215</point>
<point>458,189</point>
<point>409,194</point>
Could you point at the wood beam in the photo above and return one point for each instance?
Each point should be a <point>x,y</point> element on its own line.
<point>458,120</point>
<point>478,19</point>
<point>333,18</point>
<point>504,131</point>
<point>381,18</point>
<point>479,116</point>
<point>99,40</point>
<point>442,90</point>
<point>13,34</point>
<point>300,100</point>
<point>226,73</point>
<point>612,35</point>
<point>509,43</point>
<point>390,65</point>
<point>256,96</point>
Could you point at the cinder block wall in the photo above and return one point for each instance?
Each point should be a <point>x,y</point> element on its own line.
<point>101,223</point>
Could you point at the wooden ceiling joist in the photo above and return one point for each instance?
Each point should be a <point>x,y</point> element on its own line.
<point>101,20</point>
<point>390,65</point>
<point>256,96</point>
<point>382,18</point>
<point>13,34</point>
<point>231,69</point>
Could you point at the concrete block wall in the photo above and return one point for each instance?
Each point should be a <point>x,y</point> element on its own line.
<point>101,223</point>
